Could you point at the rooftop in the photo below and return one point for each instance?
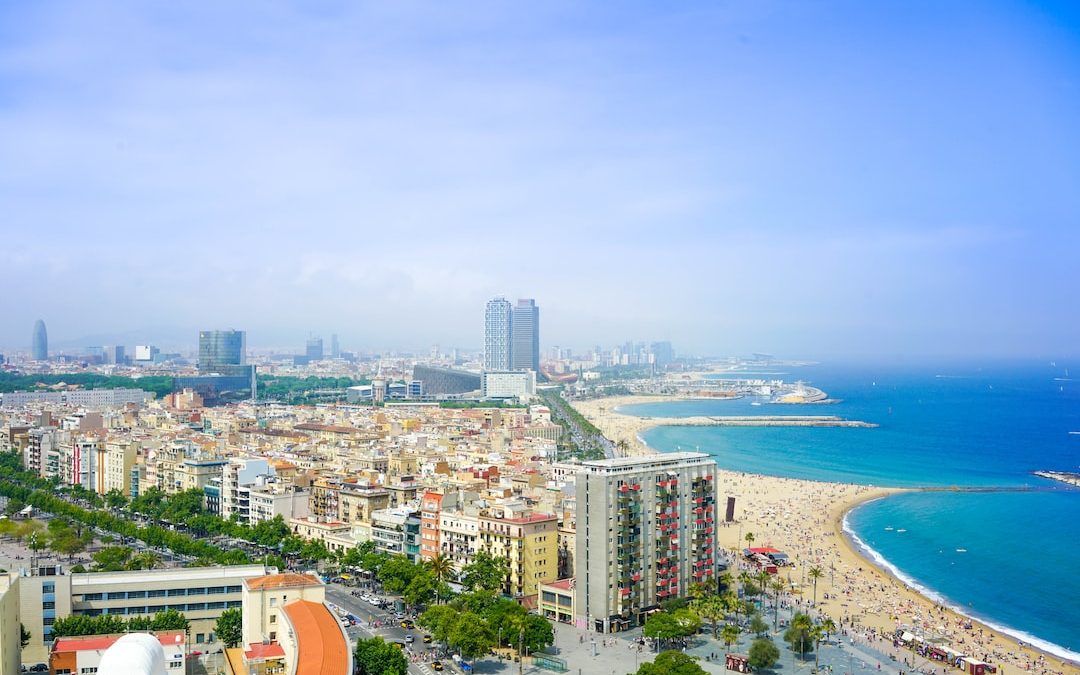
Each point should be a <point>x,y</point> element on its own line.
<point>287,580</point>
<point>321,646</point>
<point>103,642</point>
<point>258,650</point>
<point>646,460</point>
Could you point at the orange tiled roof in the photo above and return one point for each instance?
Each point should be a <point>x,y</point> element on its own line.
<point>258,650</point>
<point>287,580</point>
<point>321,647</point>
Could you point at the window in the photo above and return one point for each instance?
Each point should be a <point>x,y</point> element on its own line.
<point>215,590</point>
<point>48,587</point>
<point>136,594</point>
<point>196,591</point>
<point>160,593</point>
<point>48,605</point>
<point>215,605</point>
<point>273,602</point>
<point>116,595</point>
<point>233,589</point>
<point>200,638</point>
<point>174,592</point>
<point>273,635</point>
<point>88,597</point>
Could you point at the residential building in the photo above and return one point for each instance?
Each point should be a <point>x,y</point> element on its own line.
<point>525,349</point>
<point>431,506</point>
<point>459,536</point>
<point>357,502</point>
<point>645,533</point>
<point>397,532</point>
<point>530,542</point>
<point>277,499</point>
<point>498,317</point>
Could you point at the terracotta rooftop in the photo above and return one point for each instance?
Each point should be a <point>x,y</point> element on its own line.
<point>562,584</point>
<point>102,642</point>
<point>258,650</point>
<point>321,646</point>
<point>287,580</point>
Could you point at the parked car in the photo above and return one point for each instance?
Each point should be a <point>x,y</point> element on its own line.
<point>436,665</point>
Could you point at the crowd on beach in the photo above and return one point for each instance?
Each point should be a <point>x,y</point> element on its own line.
<point>801,518</point>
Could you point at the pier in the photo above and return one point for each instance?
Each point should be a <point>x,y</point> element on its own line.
<point>759,421</point>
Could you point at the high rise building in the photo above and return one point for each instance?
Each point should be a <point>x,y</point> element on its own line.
<point>39,344</point>
<point>497,334</point>
<point>314,351</point>
<point>645,532</point>
<point>335,348</point>
<point>219,349</point>
<point>525,329</point>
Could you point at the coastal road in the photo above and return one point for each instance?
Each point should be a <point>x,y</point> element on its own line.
<point>390,630</point>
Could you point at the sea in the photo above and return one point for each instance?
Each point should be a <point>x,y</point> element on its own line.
<point>1008,556</point>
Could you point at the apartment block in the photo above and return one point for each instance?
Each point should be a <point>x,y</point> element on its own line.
<point>645,532</point>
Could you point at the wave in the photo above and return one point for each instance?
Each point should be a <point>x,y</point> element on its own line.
<point>880,560</point>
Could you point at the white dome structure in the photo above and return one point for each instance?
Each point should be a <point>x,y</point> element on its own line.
<point>134,654</point>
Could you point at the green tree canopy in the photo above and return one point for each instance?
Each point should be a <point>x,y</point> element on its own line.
<point>229,627</point>
<point>485,572</point>
<point>671,663</point>
<point>763,653</point>
<point>378,657</point>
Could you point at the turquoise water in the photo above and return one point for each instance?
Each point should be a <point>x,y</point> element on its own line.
<point>946,425</point>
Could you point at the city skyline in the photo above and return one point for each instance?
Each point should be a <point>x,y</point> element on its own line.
<point>820,180</point>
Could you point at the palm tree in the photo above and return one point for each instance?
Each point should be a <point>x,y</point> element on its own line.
<point>763,579</point>
<point>829,626</point>
<point>816,633</point>
<point>442,568</point>
<point>815,573</point>
<point>804,624</point>
<point>777,585</point>
<point>749,539</point>
<point>713,608</point>
<point>729,634</point>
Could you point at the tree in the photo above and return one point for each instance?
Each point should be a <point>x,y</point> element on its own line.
<point>531,633</point>
<point>397,573</point>
<point>229,627</point>
<point>730,634</point>
<point>170,619</point>
<point>485,572</point>
<point>828,626</point>
<point>763,653</point>
<point>471,636</point>
<point>749,539</point>
<point>713,608</point>
<point>147,560</point>
<point>442,567</point>
<point>664,626</point>
<point>798,634</point>
<point>815,573</point>
<point>378,657</point>
<point>777,585</point>
<point>757,625</point>
<point>439,620</point>
<point>112,559</point>
<point>115,499</point>
<point>24,636</point>
<point>421,590</point>
<point>671,663</point>
<point>763,579</point>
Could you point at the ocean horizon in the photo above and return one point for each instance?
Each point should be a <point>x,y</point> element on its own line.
<point>985,554</point>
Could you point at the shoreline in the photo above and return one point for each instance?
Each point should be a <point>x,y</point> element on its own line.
<point>807,518</point>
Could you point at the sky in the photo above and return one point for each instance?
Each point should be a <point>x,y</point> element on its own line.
<point>812,180</point>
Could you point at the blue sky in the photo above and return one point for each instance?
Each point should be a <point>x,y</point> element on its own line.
<point>816,179</point>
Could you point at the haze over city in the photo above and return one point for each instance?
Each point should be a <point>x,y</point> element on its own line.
<point>814,180</point>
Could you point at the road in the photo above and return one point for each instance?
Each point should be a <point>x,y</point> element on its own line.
<point>389,630</point>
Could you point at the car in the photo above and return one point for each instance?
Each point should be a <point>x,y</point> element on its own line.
<point>409,639</point>
<point>427,639</point>
<point>436,665</point>
<point>39,668</point>
<point>196,653</point>
<point>407,625</point>
<point>399,616</point>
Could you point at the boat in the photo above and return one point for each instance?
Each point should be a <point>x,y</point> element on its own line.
<point>961,550</point>
<point>755,402</point>
<point>888,529</point>
<point>901,530</point>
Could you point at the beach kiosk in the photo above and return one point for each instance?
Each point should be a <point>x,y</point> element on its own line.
<point>740,663</point>
<point>977,667</point>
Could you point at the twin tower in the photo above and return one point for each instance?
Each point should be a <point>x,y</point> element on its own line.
<point>511,335</point>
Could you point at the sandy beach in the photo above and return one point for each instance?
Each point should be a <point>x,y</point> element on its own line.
<point>804,519</point>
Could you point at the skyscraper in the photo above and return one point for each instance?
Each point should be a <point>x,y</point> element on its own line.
<point>525,328</point>
<point>39,344</point>
<point>497,334</point>
<point>646,532</point>
<point>314,349</point>
<point>219,349</point>
<point>335,348</point>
